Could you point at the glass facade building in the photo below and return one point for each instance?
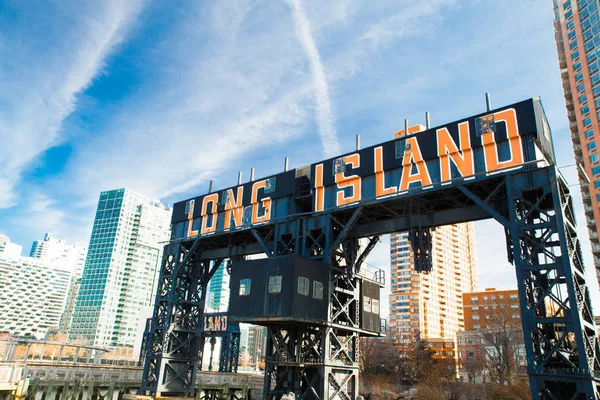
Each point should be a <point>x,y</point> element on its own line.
<point>121,268</point>
<point>218,292</point>
<point>577,35</point>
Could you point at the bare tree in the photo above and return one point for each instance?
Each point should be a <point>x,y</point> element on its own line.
<point>501,337</point>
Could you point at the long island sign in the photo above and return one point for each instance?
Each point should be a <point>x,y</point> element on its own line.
<point>495,142</point>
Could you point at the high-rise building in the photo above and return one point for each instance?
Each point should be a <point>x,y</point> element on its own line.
<point>121,269</point>
<point>430,305</point>
<point>9,249</point>
<point>257,342</point>
<point>66,318</point>
<point>71,257</point>
<point>218,292</point>
<point>32,296</point>
<point>59,252</point>
<point>577,35</point>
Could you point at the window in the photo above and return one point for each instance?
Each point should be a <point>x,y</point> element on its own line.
<point>245,287</point>
<point>585,110</point>
<point>597,184</point>
<point>573,44</point>
<point>366,304</point>
<point>570,25</point>
<point>587,122</point>
<point>318,290</point>
<point>303,286</point>
<point>598,197</point>
<point>568,14</point>
<point>474,299</point>
<point>594,158</point>
<point>580,87</point>
<point>475,317</point>
<point>275,284</point>
<point>589,133</point>
<point>577,65</point>
<point>567,4</point>
<point>596,171</point>
<point>571,35</point>
<point>575,55</point>
<point>591,145</point>
<point>514,296</point>
<point>375,306</point>
<point>582,99</point>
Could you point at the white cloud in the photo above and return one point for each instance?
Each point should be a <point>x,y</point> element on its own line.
<point>229,89</point>
<point>408,21</point>
<point>42,72</point>
<point>325,117</point>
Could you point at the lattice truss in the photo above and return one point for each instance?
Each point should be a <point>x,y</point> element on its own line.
<point>562,347</point>
<point>175,334</point>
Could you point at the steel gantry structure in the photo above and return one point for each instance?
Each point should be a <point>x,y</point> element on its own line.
<point>499,164</point>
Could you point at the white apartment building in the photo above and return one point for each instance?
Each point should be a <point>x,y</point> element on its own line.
<point>9,249</point>
<point>60,253</point>
<point>32,296</point>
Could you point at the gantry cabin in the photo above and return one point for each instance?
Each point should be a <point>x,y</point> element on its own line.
<point>292,289</point>
<point>278,289</point>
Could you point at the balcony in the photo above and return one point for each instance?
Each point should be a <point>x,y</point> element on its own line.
<point>569,104</point>
<point>575,137</point>
<point>572,116</point>
<point>573,127</point>
<point>562,62</point>
<point>585,195</point>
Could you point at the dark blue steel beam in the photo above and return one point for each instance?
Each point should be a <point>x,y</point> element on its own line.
<point>484,205</point>
<point>261,242</point>
<point>345,231</point>
<point>370,246</point>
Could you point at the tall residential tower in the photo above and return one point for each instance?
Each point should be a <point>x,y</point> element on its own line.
<point>577,34</point>
<point>121,268</point>
<point>431,304</point>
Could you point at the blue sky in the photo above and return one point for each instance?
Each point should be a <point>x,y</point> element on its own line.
<point>162,96</point>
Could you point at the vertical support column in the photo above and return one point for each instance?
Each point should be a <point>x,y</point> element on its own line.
<point>173,346</point>
<point>320,361</point>
<point>560,342</point>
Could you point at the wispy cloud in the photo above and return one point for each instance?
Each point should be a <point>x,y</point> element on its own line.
<point>325,117</point>
<point>182,129</point>
<point>408,21</point>
<point>42,74</point>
